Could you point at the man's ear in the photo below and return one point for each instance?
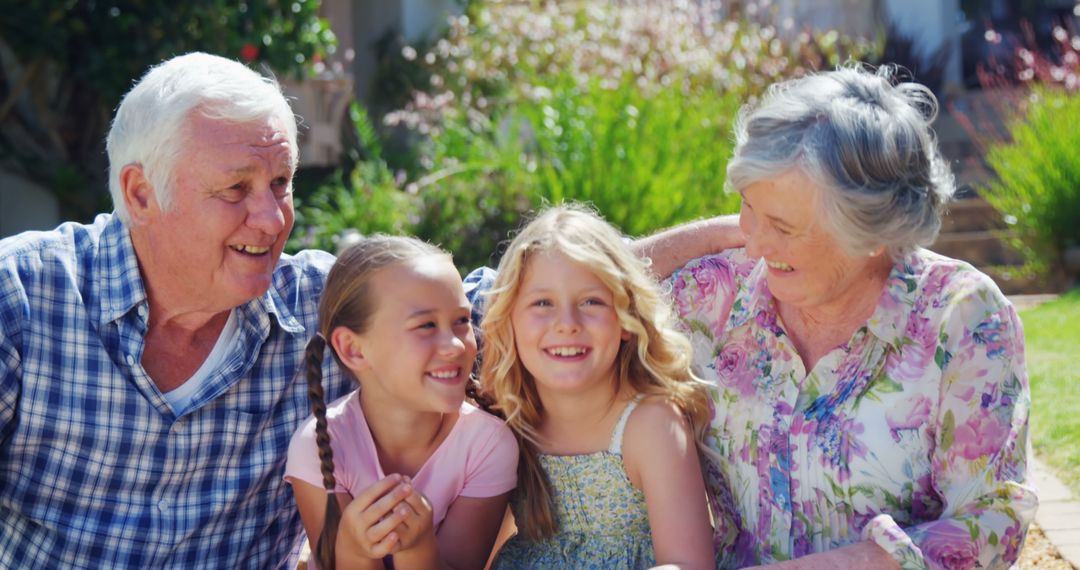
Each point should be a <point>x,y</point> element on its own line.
<point>138,193</point>
<point>348,346</point>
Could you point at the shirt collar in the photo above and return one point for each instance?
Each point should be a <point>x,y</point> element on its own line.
<point>753,298</point>
<point>121,285</point>
<point>888,321</point>
<point>118,278</point>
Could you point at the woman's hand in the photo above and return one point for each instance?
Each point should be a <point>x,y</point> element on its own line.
<point>371,524</point>
<point>859,555</point>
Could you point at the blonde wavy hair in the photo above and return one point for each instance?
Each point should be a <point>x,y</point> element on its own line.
<point>654,361</point>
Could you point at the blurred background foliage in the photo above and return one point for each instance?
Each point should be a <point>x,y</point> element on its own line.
<point>1037,183</point>
<point>1029,141</point>
<point>626,105</point>
<point>65,64</point>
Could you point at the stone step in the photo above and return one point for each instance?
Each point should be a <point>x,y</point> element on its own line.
<point>971,214</point>
<point>1010,281</point>
<point>981,248</point>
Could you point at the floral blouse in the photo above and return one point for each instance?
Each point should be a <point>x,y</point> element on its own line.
<point>912,435</point>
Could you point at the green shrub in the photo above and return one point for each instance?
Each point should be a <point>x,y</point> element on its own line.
<point>625,105</point>
<point>365,199</point>
<point>645,161</point>
<point>1037,189</point>
<point>65,66</point>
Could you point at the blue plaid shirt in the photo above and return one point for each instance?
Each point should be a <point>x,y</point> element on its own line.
<point>96,471</point>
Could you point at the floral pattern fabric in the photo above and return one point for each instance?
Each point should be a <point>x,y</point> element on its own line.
<point>602,519</point>
<point>913,434</point>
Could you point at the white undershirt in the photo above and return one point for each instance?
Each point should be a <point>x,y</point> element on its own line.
<point>181,397</point>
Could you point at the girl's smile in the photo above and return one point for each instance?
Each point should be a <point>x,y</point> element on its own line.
<point>565,326</point>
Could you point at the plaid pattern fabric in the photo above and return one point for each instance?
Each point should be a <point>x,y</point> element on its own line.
<point>477,283</point>
<point>96,470</point>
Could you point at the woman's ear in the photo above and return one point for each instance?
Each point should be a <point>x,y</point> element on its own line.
<point>627,335</point>
<point>349,348</point>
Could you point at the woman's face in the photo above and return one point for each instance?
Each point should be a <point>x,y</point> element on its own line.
<point>806,266</point>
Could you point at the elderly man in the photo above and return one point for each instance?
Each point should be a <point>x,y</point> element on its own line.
<point>147,390</point>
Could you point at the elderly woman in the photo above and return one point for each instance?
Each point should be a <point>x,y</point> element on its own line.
<point>872,402</point>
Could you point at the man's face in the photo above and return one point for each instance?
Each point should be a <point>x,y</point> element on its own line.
<point>216,245</point>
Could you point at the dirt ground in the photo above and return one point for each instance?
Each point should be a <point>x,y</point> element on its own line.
<point>1039,554</point>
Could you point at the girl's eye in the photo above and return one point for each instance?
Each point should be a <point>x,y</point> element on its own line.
<point>594,301</point>
<point>783,231</point>
<point>541,303</point>
<point>427,325</point>
<point>463,321</point>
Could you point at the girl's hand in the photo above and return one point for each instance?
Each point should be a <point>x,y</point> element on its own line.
<point>369,525</point>
<point>416,519</point>
<point>417,546</point>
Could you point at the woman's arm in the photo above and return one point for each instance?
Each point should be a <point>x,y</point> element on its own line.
<point>979,464</point>
<point>863,554</point>
<point>661,459</point>
<point>672,248</point>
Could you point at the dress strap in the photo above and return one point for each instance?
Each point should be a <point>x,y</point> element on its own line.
<point>620,426</point>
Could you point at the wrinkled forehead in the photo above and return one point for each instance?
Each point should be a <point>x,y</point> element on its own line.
<point>268,135</point>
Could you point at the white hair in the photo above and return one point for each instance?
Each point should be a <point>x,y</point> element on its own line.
<point>866,141</point>
<point>150,125</point>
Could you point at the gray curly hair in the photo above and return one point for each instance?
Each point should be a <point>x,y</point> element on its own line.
<point>866,140</point>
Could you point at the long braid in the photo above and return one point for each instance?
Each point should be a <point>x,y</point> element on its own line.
<point>347,302</point>
<point>313,359</point>
<point>482,399</point>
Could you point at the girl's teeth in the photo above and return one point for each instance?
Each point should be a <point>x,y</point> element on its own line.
<point>444,375</point>
<point>778,265</point>
<point>567,351</point>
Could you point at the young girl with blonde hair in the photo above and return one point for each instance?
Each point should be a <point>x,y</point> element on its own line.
<point>582,358</point>
<point>421,476</point>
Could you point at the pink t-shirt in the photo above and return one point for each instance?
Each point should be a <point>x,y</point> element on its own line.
<point>478,458</point>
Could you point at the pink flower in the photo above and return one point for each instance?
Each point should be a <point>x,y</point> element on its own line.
<point>981,435</point>
<point>701,289</point>
<point>910,413</point>
<point>1013,539</point>
<point>950,546</point>
<point>711,274</point>
<point>936,280</point>
<point>734,371</point>
<point>917,352</point>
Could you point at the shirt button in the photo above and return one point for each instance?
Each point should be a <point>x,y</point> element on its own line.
<point>130,360</point>
<point>141,310</point>
<point>163,504</point>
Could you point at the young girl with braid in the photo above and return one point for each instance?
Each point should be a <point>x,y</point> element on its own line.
<point>581,357</point>
<point>426,474</point>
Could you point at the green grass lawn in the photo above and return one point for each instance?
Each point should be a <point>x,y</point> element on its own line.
<point>1052,340</point>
